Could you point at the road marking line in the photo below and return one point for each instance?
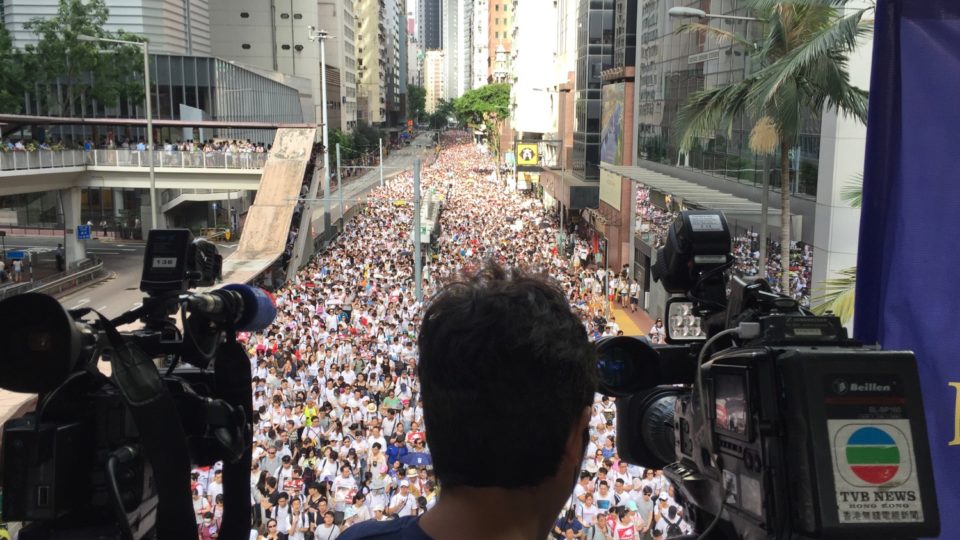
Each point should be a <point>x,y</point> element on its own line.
<point>81,303</point>
<point>137,305</point>
<point>101,308</point>
<point>103,252</point>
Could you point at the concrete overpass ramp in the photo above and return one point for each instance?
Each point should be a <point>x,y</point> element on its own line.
<point>267,224</point>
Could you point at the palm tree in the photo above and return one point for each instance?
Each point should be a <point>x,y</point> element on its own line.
<point>803,69</point>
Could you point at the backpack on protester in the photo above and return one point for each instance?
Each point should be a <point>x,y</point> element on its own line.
<point>673,529</point>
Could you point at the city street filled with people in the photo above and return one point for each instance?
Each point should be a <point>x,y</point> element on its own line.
<point>338,421</point>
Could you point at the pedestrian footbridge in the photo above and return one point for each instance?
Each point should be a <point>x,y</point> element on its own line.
<point>45,170</point>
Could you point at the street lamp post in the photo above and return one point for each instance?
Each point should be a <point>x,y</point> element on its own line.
<point>322,36</point>
<point>701,14</point>
<point>146,96</point>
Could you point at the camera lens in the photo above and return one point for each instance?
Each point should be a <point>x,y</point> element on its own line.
<point>626,365</point>
<point>41,343</point>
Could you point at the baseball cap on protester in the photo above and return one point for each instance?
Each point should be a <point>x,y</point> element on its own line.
<point>664,496</point>
<point>404,483</point>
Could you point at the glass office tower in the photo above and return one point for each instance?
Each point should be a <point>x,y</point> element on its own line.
<point>594,54</point>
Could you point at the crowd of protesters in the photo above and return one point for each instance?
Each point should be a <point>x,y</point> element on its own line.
<point>225,146</point>
<point>338,419</point>
<point>654,222</point>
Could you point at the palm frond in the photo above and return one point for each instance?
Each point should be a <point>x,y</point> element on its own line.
<point>838,295</point>
<point>708,110</point>
<point>840,36</point>
<point>852,191</point>
<point>723,37</point>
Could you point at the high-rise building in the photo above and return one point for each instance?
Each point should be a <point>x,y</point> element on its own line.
<point>500,17</point>
<point>457,46</point>
<point>429,24</point>
<point>433,73</point>
<point>465,47</point>
<point>371,61</point>
<point>395,30</point>
<point>481,43</point>
<point>450,9</point>
<point>534,98</point>
<point>278,39</point>
<point>171,26</point>
<point>594,55</point>
<point>414,48</point>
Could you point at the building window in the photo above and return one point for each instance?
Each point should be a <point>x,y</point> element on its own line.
<point>285,47</point>
<point>284,15</point>
<point>244,15</point>
<point>245,46</point>
<point>497,7</point>
<point>298,16</point>
<point>498,20</point>
<point>498,34</point>
<point>298,47</point>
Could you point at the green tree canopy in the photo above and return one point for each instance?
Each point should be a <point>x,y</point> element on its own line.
<point>486,108</point>
<point>803,60</point>
<point>418,101</point>
<point>102,71</point>
<point>12,76</point>
<point>364,140</point>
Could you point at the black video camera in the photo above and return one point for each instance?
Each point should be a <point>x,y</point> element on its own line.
<point>770,421</point>
<point>110,457</point>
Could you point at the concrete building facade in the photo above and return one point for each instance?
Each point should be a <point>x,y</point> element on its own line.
<point>433,74</point>
<point>500,18</point>
<point>534,101</point>
<point>171,26</point>
<point>429,17</point>
<point>371,61</point>
<point>278,39</point>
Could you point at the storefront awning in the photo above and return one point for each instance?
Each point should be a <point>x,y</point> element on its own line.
<point>692,194</point>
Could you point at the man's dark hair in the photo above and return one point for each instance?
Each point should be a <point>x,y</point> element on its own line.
<point>505,368</point>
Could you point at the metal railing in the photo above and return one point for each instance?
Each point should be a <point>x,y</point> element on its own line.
<point>41,159</point>
<point>175,159</point>
<point>52,159</point>
<point>85,271</point>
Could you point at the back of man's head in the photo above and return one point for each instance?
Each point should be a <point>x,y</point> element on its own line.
<point>506,371</point>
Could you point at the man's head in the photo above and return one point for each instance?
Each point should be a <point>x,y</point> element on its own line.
<point>493,343</point>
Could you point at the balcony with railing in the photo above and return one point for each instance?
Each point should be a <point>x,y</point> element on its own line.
<point>54,159</point>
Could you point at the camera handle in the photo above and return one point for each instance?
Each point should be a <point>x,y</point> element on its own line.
<point>161,433</point>
<point>233,381</point>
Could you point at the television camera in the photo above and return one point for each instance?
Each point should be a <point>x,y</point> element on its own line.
<point>771,422</point>
<point>110,456</point>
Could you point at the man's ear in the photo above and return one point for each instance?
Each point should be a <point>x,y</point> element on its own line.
<point>579,436</point>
